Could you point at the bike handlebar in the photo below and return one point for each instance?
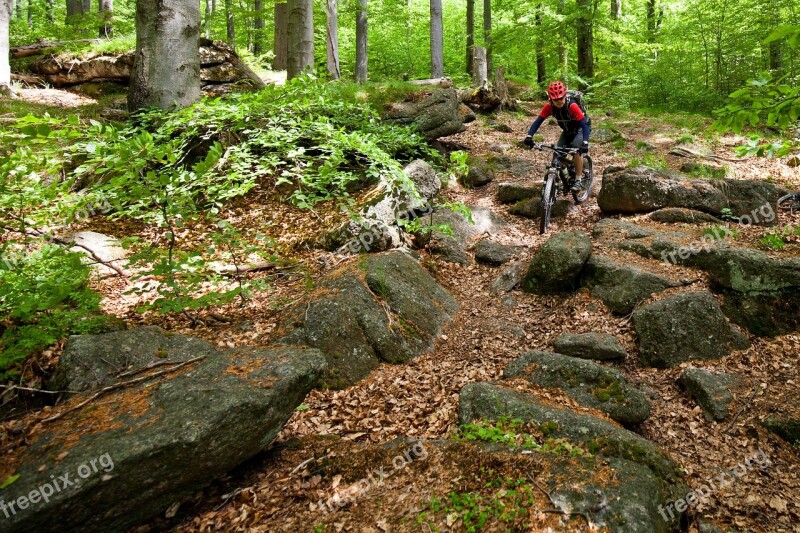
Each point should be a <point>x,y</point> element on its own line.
<point>557,149</point>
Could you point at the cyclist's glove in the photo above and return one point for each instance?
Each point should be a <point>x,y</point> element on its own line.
<point>585,147</point>
<point>528,141</point>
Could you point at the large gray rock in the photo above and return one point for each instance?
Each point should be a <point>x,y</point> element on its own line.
<point>588,383</point>
<point>686,326</point>
<point>128,456</point>
<point>710,390</point>
<point>532,208</point>
<point>375,229</point>
<point>519,167</point>
<point>491,402</point>
<point>88,363</point>
<point>643,189</point>
<point>437,115</point>
<point>557,264</point>
<point>605,135</point>
<point>621,287</point>
<point>510,277</point>
<point>786,428</point>
<point>451,245</point>
<point>509,193</point>
<point>764,313</point>
<point>480,173</point>
<point>616,229</point>
<point>599,346</point>
<point>346,320</point>
<point>493,253</point>
<point>679,215</point>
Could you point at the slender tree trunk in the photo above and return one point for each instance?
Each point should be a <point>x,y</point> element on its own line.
<point>585,38</point>
<point>106,10</point>
<point>487,32</point>
<point>470,35</point>
<point>5,68</point>
<point>563,55</point>
<point>651,21</point>
<point>166,69</point>
<point>332,48</point>
<point>18,10</point>
<point>230,25</point>
<point>541,64</point>
<point>207,21</point>
<point>616,9</point>
<point>281,38</point>
<point>437,40</point>
<point>301,37</point>
<point>481,77</point>
<point>361,42</point>
<point>49,8</point>
<point>258,38</point>
<point>87,6</point>
<point>30,13</point>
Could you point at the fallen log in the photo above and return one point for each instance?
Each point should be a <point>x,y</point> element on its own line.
<point>444,83</point>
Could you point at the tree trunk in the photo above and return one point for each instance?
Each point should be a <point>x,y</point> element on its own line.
<point>301,37</point>
<point>166,70</point>
<point>480,78</point>
<point>106,9</point>
<point>332,48</point>
<point>49,8</point>
<point>87,6</point>
<point>5,68</point>
<point>281,39</point>
<point>616,9</point>
<point>74,8</point>
<point>437,40</point>
<point>563,54</point>
<point>541,63</point>
<point>585,44</point>
<point>229,22</point>
<point>258,25</point>
<point>361,42</point>
<point>470,35</point>
<point>18,10</point>
<point>209,11</point>
<point>487,32</point>
<point>651,21</point>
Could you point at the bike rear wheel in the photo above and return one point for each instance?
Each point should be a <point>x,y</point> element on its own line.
<point>583,195</point>
<point>790,202</point>
<point>548,199</point>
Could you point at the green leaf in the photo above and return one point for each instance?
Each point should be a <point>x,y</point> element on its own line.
<point>9,480</point>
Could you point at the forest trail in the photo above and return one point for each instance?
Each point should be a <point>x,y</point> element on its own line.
<point>281,490</point>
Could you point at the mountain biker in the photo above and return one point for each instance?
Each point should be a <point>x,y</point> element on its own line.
<point>573,122</point>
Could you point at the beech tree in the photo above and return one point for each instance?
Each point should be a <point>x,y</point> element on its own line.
<point>5,69</point>
<point>361,42</point>
<point>106,9</point>
<point>332,33</point>
<point>300,34</point>
<point>585,40</point>
<point>166,70</point>
<point>487,32</point>
<point>437,40</point>
<point>281,42</point>
<point>470,35</point>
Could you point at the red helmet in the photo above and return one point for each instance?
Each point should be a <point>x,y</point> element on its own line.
<point>556,90</point>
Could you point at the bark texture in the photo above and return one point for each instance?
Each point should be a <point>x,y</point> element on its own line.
<point>361,43</point>
<point>437,40</point>
<point>301,37</point>
<point>281,39</point>
<point>166,69</point>
<point>332,48</point>
<point>5,69</point>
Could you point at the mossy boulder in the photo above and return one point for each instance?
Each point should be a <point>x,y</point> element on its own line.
<point>589,383</point>
<point>786,428</point>
<point>683,327</point>
<point>711,390</point>
<point>494,253</point>
<point>128,456</point>
<point>492,402</point>
<point>532,208</point>
<point>510,193</point>
<point>621,287</point>
<point>557,265</point>
<point>480,174</point>
<point>599,346</point>
<point>679,215</point>
<point>386,308</point>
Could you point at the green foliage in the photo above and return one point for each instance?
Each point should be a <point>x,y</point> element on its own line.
<point>648,159</point>
<point>44,296</point>
<point>509,431</point>
<point>459,163</point>
<point>778,238</point>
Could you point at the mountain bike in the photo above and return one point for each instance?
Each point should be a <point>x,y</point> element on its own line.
<point>560,177</point>
<point>790,202</point>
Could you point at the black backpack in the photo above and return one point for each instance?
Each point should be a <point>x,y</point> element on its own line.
<point>563,120</point>
<point>577,97</point>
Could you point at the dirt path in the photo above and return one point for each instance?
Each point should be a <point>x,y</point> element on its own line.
<point>420,400</point>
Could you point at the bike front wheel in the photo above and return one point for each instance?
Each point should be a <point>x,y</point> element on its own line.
<point>588,178</point>
<point>548,200</point>
<point>790,202</point>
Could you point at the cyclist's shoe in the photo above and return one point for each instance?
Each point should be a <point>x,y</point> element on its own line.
<point>577,185</point>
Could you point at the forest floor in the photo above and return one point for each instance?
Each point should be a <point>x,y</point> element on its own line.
<point>357,428</point>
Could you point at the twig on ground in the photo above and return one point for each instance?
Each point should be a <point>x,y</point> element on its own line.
<point>120,386</point>
<point>740,411</point>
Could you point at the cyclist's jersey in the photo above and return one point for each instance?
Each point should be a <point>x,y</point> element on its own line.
<point>568,117</point>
